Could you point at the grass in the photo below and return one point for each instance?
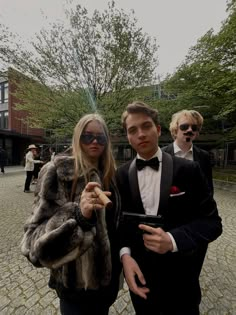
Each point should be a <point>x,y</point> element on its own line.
<point>225,174</point>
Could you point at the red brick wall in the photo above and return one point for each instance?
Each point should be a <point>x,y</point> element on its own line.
<point>16,117</point>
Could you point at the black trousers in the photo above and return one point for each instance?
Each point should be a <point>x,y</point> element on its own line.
<point>69,307</point>
<point>144,307</point>
<point>29,175</point>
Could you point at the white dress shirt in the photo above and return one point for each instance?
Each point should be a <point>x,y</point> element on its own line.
<point>149,185</point>
<point>180,153</point>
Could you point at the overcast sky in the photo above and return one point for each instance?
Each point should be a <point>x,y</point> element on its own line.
<point>176,24</point>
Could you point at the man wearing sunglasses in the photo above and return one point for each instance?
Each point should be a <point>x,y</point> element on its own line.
<point>185,127</point>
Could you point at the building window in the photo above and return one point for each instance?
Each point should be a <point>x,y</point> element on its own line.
<point>4,120</point>
<point>3,92</point>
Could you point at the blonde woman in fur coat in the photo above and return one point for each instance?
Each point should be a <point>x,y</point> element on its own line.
<point>70,232</point>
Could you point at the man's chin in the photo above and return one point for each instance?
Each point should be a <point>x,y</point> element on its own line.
<point>188,139</point>
<point>146,154</point>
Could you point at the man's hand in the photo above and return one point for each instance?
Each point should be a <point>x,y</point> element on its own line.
<point>156,239</point>
<point>132,271</point>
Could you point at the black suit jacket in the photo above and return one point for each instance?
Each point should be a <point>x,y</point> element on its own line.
<point>200,156</point>
<point>192,218</point>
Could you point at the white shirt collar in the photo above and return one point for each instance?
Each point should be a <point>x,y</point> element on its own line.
<point>177,148</point>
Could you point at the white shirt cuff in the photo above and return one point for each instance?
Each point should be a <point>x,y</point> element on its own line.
<point>125,250</point>
<point>175,248</point>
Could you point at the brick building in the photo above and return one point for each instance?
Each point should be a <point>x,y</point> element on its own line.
<point>15,133</point>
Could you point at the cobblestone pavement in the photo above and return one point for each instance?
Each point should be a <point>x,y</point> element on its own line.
<point>24,290</point>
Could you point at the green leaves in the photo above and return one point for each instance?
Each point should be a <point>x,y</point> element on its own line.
<point>92,62</point>
<point>206,81</point>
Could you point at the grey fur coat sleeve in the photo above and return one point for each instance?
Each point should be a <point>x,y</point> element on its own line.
<point>52,235</point>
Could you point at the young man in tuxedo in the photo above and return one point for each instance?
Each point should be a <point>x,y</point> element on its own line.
<point>184,127</point>
<point>162,264</point>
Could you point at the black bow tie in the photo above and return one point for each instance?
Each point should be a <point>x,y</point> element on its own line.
<point>153,163</point>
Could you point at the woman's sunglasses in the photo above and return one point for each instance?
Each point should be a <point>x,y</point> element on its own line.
<point>87,138</point>
<point>185,127</point>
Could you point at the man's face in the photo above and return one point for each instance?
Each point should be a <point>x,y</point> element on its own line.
<point>34,152</point>
<point>142,134</point>
<point>187,130</point>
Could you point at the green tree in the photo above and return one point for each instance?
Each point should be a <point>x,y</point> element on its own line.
<point>94,63</point>
<point>207,78</point>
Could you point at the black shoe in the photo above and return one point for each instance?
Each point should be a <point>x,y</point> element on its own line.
<point>27,191</point>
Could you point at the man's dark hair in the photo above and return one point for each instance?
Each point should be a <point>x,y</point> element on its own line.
<point>140,107</point>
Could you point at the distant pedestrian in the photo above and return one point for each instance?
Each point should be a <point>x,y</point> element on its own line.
<point>37,167</point>
<point>3,159</point>
<point>52,151</point>
<point>29,165</point>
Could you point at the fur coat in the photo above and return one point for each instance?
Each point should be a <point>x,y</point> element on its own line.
<point>57,236</point>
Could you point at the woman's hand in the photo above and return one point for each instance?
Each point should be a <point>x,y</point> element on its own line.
<point>89,201</point>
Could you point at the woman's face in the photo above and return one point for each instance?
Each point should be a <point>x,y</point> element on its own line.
<point>93,140</point>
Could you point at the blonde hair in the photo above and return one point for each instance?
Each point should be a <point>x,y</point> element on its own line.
<point>106,161</point>
<point>191,114</point>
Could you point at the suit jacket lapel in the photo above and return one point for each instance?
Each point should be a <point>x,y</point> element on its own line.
<point>196,154</point>
<point>166,181</point>
<point>170,149</point>
<point>134,188</point>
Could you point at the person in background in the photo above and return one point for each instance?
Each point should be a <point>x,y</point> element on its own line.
<point>37,167</point>
<point>29,165</point>
<point>185,127</point>
<point>162,263</point>
<point>3,159</point>
<point>52,152</point>
<point>70,231</point>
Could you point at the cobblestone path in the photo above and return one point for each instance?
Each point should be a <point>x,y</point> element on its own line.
<point>24,290</point>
